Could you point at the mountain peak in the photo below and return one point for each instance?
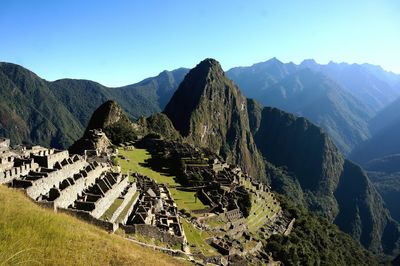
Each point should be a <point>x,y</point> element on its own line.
<point>207,66</point>
<point>209,111</point>
<point>205,78</point>
<point>209,62</point>
<point>309,63</point>
<point>108,113</point>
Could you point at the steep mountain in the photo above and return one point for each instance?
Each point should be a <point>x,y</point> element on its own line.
<point>29,111</point>
<point>386,118</point>
<point>380,155</point>
<point>56,113</point>
<point>113,121</point>
<point>302,160</point>
<point>325,182</point>
<point>209,111</point>
<point>388,185</point>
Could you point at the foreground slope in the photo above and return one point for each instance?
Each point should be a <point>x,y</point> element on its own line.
<point>31,235</point>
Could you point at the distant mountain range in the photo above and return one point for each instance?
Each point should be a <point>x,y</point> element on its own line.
<point>341,98</point>
<point>33,110</point>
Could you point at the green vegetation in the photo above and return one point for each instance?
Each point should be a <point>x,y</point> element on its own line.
<point>31,235</point>
<point>110,211</point>
<point>120,132</point>
<point>36,111</point>
<point>316,241</point>
<point>127,207</point>
<point>135,161</point>
<point>197,239</point>
<point>310,167</point>
<point>214,222</point>
<point>388,186</point>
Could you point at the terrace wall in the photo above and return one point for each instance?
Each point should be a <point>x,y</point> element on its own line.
<point>105,202</point>
<point>70,194</point>
<point>52,179</point>
<point>127,198</point>
<point>111,227</point>
<point>16,172</point>
<point>153,232</point>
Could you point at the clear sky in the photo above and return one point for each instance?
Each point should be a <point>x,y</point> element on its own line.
<point>121,42</point>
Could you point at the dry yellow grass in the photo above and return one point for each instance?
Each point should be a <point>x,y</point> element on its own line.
<point>31,235</point>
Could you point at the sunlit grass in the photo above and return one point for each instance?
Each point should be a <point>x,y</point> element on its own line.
<point>110,211</point>
<point>31,235</point>
<point>197,239</point>
<point>133,162</point>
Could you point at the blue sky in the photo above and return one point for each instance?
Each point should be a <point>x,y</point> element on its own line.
<point>121,42</point>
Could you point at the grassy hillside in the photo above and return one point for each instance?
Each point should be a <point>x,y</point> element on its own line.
<point>31,235</point>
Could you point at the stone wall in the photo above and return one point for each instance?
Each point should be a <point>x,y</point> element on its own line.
<point>105,202</point>
<point>88,178</point>
<point>290,227</point>
<point>4,144</point>
<point>153,232</point>
<point>127,198</point>
<point>47,158</point>
<point>6,163</point>
<point>53,178</point>
<point>203,211</point>
<point>16,172</point>
<point>111,227</point>
<point>124,220</point>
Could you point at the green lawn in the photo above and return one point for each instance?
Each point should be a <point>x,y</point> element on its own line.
<point>197,237</point>
<point>184,199</point>
<point>214,222</point>
<point>110,211</point>
<point>126,209</point>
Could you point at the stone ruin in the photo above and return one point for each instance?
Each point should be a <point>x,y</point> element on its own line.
<point>64,182</point>
<point>88,186</point>
<point>155,213</point>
